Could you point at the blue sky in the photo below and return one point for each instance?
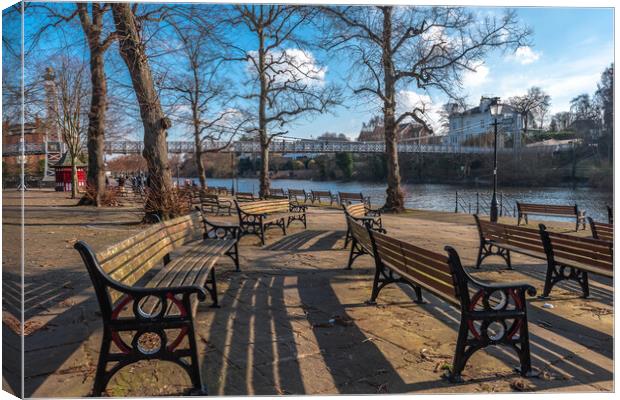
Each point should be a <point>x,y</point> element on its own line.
<point>570,49</point>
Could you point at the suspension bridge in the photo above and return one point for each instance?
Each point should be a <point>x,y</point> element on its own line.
<point>276,146</point>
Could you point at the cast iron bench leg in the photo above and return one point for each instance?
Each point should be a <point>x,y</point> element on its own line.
<point>101,378</point>
<point>211,287</point>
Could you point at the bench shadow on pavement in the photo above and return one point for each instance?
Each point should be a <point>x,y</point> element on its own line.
<point>597,293</point>
<point>256,330</point>
<point>48,345</point>
<point>253,345</point>
<point>309,240</point>
<point>545,352</point>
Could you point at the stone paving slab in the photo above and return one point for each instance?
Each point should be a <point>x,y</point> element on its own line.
<point>272,333</point>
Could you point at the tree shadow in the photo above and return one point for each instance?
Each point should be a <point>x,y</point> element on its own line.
<point>543,349</point>
<point>11,333</point>
<point>350,356</point>
<point>300,241</point>
<point>251,346</point>
<point>597,292</point>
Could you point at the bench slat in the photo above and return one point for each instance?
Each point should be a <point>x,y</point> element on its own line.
<point>420,266</point>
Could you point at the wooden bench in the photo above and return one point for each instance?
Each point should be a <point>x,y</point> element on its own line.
<point>256,216</point>
<point>360,239</point>
<point>277,194</point>
<point>364,215</point>
<point>244,196</point>
<point>223,190</point>
<point>148,288</point>
<point>500,239</point>
<point>295,194</point>
<point>214,204</point>
<point>523,209</point>
<point>317,195</point>
<point>601,230</point>
<point>491,314</point>
<point>348,198</point>
<point>572,258</point>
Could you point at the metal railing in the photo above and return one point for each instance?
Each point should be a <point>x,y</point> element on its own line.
<point>480,203</point>
<point>278,146</point>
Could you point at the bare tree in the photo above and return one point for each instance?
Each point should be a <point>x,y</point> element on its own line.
<point>395,48</point>
<point>604,96</point>
<point>286,82</point>
<point>70,112</point>
<point>156,124</point>
<point>534,102</point>
<point>583,108</point>
<point>198,89</point>
<point>98,39</point>
<point>98,42</point>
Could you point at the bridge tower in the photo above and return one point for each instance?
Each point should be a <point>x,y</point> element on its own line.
<point>53,142</point>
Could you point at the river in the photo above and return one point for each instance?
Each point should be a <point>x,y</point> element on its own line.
<point>441,197</point>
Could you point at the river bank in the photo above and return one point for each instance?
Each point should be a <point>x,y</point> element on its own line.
<point>271,335</point>
<point>533,169</point>
<point>442,197</point>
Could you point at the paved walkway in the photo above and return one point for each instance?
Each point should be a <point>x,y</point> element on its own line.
<point>273,335</point>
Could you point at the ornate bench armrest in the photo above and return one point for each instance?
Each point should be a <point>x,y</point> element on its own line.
<point>296,207</point>
<point>373,223</point>
<point>246,218</point>
<point>220,231</point>
<point>485,302</point>
<point>214,230</point>
<point>228,203</point>
<point>521,286</point>
<point>373,212</point>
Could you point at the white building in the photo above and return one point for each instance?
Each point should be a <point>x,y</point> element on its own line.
<point>467,126</point>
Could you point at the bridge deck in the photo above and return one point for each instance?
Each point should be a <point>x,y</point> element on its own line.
<point>310,147</point>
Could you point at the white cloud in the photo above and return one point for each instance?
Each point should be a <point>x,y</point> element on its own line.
<point>525,55</point>
<point>292,65</point>
<point>563,79</point>
<point>476,77</point>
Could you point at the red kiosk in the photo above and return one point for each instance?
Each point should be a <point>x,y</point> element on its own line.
<point>63,174</point>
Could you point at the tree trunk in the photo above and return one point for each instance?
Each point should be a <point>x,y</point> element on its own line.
<point>395,198</point>
<point>153,119</point>
<point>95,180</point>
<point>200,168</point>
<point>264,170</point>
<point>74,181</point>
<point>262,119</point>
<point>96,128</point>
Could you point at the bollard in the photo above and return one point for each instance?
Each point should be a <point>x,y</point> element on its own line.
<point>456,203</point>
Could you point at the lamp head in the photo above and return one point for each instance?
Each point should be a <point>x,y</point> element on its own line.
<point>496,107</point>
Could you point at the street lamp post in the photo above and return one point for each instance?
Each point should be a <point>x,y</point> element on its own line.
<point>496,111</point>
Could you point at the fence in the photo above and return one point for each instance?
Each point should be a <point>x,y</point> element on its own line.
<point>480,203</point>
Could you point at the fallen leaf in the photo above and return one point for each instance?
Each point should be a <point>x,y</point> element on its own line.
<point>521,385</point>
